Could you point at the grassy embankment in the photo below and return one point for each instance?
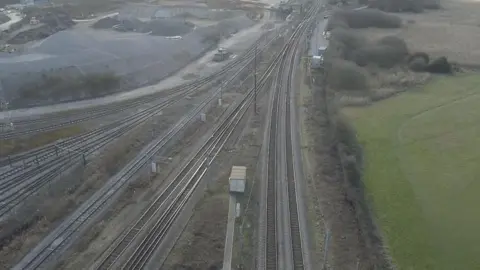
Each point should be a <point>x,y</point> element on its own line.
<point>421,172</point>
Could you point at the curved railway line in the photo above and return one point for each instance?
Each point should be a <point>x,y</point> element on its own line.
<point>163,211</point>
<point>59,120</point>
<point>180,189</point>
<point>97,112</point>
<point>282,232</point>
<point>17,183</point>
<point>60,238</point>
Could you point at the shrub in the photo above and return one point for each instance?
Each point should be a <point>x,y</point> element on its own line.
<point>346,41</point>
<point>102,83</point>
<point>335,50</point>
<point>431,4</point>
<point>404,5</point>
<point>369,18</point>
<point>345,75</point>
<point>418,61</point>
<point>388,52</point>
<point>336,21</point>
<point>395,42</point>
<point>440,65</point>
<point>106,23</point>
<point>417,64</point>
<point>62,88</point>
<point>421,55</point>
<point>414,6</point>
<point>382,55</point>
<point>211,36</point>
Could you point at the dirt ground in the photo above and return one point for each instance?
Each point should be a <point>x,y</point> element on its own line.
<point>451,31</point>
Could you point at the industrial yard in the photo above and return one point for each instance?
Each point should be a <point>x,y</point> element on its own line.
<point>233,135</point>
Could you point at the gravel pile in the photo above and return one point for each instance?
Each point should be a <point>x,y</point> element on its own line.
<point>53,19</point>
<point>4,18</point>
<point>158,27</point>
<point>130,25</point>
<point>164,27</point>
<point>106,23</point>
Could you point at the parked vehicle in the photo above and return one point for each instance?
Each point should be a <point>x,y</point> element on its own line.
<point>317,62</point>
<point>321,50</point>
<point>221,55</point>
<point>327,35</point>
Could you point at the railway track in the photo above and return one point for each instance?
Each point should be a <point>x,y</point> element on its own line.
<point>281,245</point>
<point>173,198</point>
<point>17,184</point>
<point>59,120</point>
<point>33,156</point>
<point>114,108</point>
<point>60,238</point>
<point>298,260</point>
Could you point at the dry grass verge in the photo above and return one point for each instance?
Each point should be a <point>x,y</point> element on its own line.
<point>354,243</point>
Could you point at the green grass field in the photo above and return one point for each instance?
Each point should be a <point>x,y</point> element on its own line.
<point>422,172</point>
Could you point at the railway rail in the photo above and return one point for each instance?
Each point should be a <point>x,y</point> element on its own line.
<point>281,245</point>
<point>180,189</point>
<point>17,183</point>
<point>60,238</point>
<point>59,120</point>
<point>155,234</point>
<point>115,108</point>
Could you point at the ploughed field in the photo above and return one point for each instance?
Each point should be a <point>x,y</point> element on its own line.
<point>422,173</point>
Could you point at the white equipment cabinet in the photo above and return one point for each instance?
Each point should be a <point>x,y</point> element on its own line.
<point>237,179</point>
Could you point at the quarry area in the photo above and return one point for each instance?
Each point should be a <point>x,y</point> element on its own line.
<point>239,134</point>
<point>52,48</point>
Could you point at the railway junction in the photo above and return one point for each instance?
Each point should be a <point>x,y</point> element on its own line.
<point>124,193</point>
